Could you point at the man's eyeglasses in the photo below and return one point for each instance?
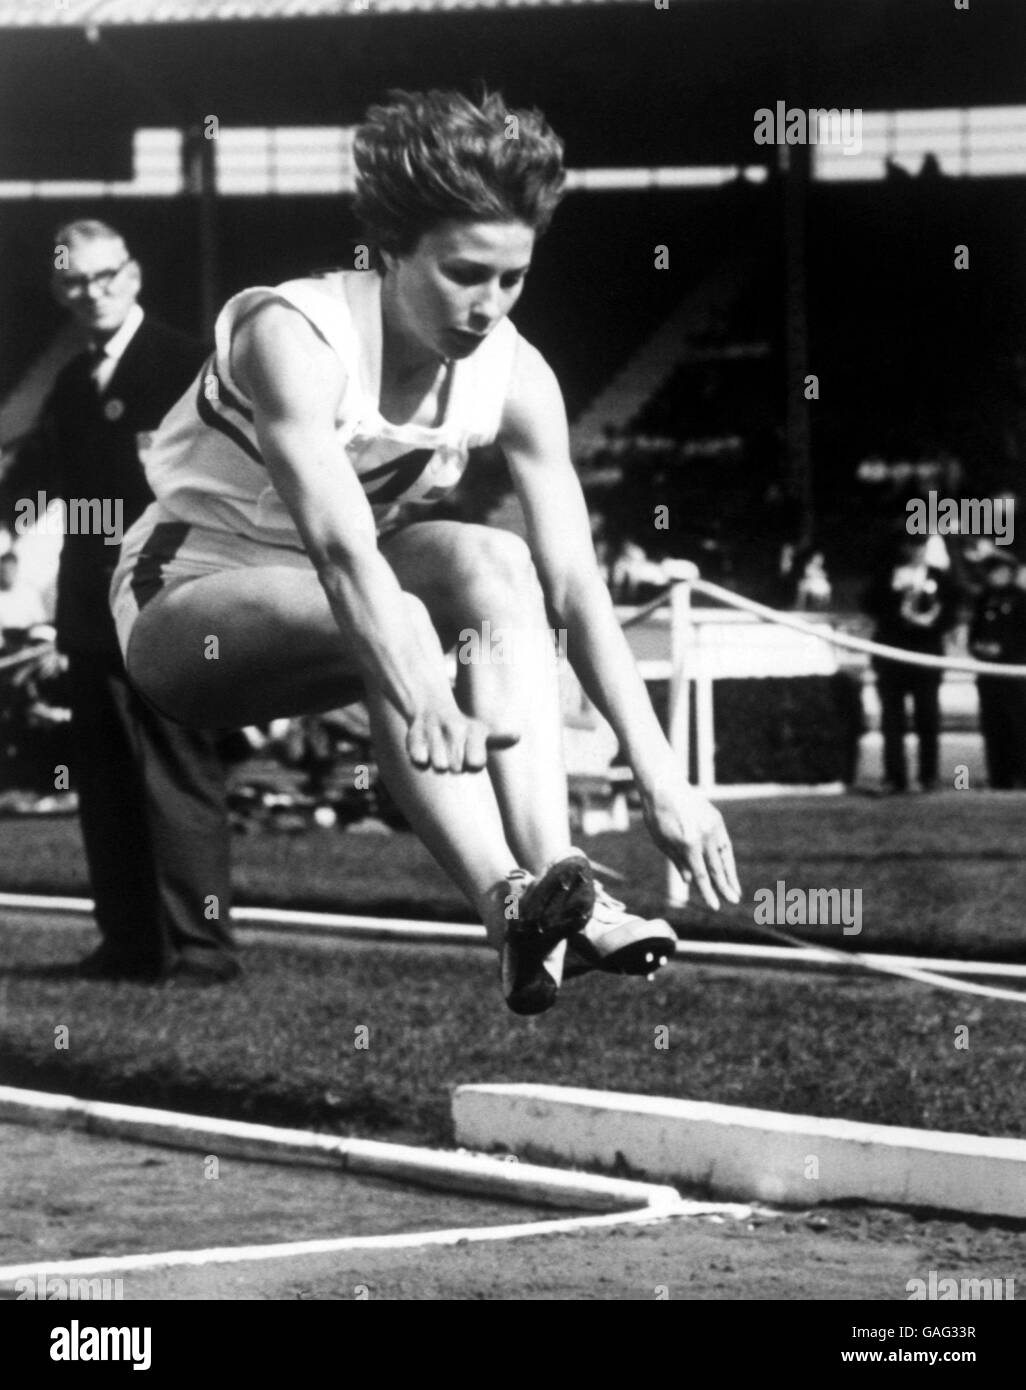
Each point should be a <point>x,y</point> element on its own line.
<point>75,286</point>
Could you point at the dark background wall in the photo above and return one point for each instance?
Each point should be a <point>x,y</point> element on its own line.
<point>905,345</point>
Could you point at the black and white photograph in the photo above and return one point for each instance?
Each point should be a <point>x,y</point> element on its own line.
<point>513,666</point>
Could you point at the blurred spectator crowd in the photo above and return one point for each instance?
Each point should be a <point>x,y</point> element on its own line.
<point>967,583</point>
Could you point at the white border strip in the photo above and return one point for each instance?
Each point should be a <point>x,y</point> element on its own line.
<point>467,1173</point>
<point>821,956</point>
<point>265,918</point>
<point>921,977</point>
<point>218,1255</point>
<point>345,925</point>
<point>753,1155</point>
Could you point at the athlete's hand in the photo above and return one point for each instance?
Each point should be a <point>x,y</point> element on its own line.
<point>445,739</point>
<point>690,831</point>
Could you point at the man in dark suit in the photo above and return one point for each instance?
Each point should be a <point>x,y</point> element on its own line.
<point>151,793</point>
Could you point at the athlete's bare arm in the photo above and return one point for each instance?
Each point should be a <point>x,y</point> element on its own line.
<point>295,383</point>
<point>535,440</point>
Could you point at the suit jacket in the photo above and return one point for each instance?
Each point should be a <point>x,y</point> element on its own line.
<point>93,454</point>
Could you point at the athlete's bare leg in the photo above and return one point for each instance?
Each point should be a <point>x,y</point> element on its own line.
<point>278,651</point>
<point>469,576</point>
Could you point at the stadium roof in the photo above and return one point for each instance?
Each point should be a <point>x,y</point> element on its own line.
<point>86,14</point>
<point>623,82</point>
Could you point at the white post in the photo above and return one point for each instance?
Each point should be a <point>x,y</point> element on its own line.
<point>705,733</point>
<point>682,649</point>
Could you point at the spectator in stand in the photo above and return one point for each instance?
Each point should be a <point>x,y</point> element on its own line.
<point>21,606</point>
<point>915,605</point>
<point>815,592</point>
<point>998,633</point>
<point>633,576</point>
<point>804,568</point>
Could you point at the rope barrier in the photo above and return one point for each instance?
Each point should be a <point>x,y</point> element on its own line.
<point>858,644</point>
<point>649,608</point>
<point>922,977</point>
<point>826,634</point>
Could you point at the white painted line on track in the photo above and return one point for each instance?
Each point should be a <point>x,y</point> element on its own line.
<point>888,966</point>
<point>468,1173</point>
<point>42,902</point>
<point>116,1264</point>
<point>343,925</point>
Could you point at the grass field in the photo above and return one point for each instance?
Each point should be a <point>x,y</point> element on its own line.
<point>281,1045</point>
<point>937,874</point>
<point>943,874</point>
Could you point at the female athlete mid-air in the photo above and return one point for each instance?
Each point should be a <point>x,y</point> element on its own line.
<point>290,563</point>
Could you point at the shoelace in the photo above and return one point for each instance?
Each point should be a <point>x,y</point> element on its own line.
<point>519,878</point>
<point>605,902</point>
<point>518,881</point>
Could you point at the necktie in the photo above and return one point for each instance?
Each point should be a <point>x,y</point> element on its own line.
<point>97,354</point>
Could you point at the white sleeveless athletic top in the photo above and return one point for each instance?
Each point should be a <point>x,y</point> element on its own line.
<point>203,462</point>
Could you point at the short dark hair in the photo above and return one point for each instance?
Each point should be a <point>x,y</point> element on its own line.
<point>427,157</point>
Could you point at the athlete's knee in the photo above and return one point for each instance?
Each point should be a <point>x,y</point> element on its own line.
<point>505,554</point>
<point>497,566</point>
